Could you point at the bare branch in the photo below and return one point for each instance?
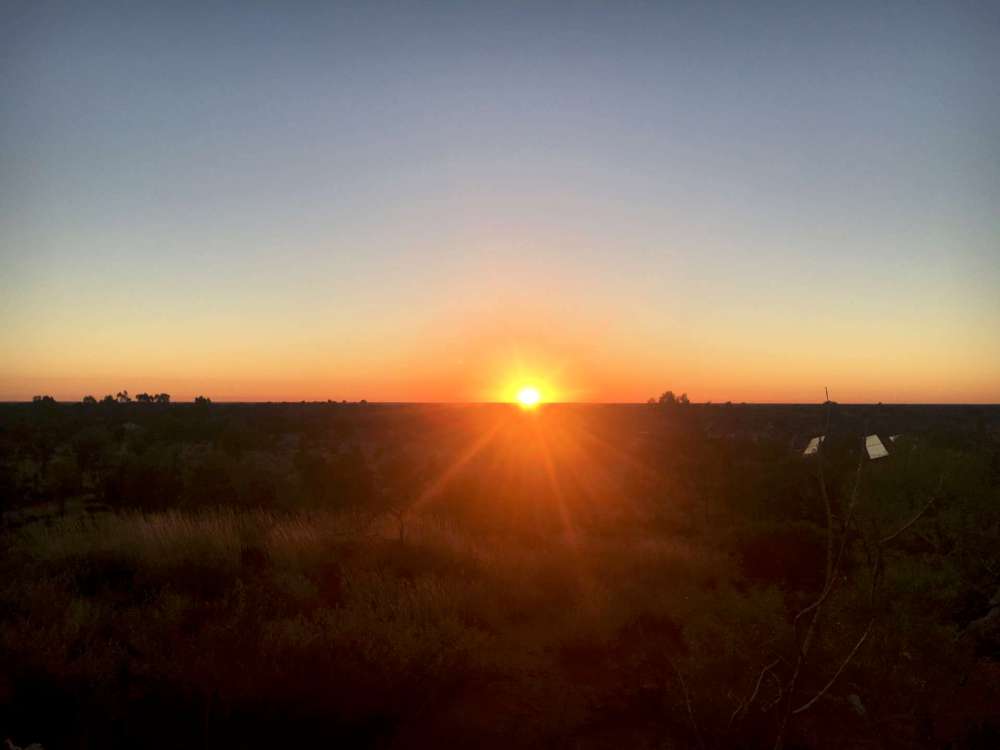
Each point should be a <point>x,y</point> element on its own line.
<point>687,702</point>
<point>816,607</point>
<point>828,587</point>
<point>864,636</point>
<point>829,513</point>
<point>781,693</point>
<point>745,706</point>
<point>908,524</point>
<point>875,560</point>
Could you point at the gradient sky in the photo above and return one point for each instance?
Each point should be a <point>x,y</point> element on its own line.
<point>417,201</point>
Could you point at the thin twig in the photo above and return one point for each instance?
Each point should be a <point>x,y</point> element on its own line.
<point>843,666</point>
<point>828,587</point>
<point>687,702</point>
<point>816,607</point>
<point>908,524</point>
<point>777,699</point>
<point>876,578</point>
<point>828,509</point>
<point>745,706</point>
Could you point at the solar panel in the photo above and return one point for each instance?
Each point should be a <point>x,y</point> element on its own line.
<point>875,448</point>
<point>813,445</point>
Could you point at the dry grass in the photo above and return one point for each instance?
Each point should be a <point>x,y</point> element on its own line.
<point>214,537</point>
<point>322,614</point>
<point>143,540</point>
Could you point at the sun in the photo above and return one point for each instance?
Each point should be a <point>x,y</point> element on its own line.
<point>528,397</point>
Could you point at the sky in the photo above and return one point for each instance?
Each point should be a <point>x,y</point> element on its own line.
<point>443,201</point>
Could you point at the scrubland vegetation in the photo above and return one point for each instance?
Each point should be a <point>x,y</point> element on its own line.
<point>665,575</point>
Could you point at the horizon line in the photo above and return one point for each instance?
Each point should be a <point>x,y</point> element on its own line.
<point>366,402</point>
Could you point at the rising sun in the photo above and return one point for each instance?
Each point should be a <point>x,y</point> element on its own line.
<point>528,397</point>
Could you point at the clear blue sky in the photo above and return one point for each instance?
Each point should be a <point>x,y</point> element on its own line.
<point>424,200</point>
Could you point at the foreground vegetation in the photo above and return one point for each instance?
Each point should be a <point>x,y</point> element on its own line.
<point>652,576</point>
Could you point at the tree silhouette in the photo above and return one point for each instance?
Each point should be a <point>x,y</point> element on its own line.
<point>89,400</point>
<point>669,399</point>
<point>401,480</point>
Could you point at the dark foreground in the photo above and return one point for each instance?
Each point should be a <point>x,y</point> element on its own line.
<point>584,576</point>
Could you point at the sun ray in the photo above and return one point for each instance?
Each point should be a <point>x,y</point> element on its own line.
<point>554,485</point>
<point>455,466</point>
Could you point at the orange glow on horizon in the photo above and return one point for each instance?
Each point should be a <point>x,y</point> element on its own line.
<point>481,362</point>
